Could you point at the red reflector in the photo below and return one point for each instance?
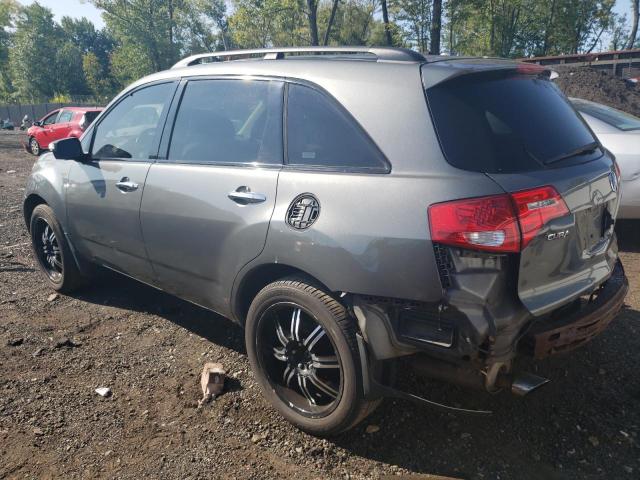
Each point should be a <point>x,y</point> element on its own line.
<point>499,223</point>
<point>487,223</point>
<point>536,208</point>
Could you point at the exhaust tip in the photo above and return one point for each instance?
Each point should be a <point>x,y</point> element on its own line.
<point>526,383</point>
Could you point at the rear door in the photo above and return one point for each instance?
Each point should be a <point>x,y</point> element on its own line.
<point>104,192</point>
<point>209,199</point>
<point>522,132</point>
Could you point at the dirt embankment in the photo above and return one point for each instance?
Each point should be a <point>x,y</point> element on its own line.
<point>599,86</point>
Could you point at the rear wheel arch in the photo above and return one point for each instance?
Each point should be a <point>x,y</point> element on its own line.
<point>259,277</point>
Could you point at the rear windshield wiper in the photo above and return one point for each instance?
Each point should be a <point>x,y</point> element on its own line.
<point>583,150</point>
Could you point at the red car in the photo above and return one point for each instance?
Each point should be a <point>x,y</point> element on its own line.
<point>62,123</point>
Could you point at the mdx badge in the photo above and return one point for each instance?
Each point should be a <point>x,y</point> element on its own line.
<point>303,211</point>
<point>557,235</point>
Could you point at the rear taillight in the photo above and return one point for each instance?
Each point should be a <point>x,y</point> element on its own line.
<point>486,223</point>
<point>536,208</point>
<point>499,223</point>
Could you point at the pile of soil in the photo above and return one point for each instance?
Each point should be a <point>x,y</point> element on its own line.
<point>599,86</point>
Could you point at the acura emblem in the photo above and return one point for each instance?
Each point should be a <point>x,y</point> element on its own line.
<point>613,181</point>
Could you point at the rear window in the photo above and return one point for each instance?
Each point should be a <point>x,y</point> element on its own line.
<point>608,115</point>
<point>90,116</point>
<point>505,123</point>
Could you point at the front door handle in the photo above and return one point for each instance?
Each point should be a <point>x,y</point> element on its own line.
<point>125,185</point>
<point>243,195</point>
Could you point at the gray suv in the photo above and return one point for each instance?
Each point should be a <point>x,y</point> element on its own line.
<point>348,207</point>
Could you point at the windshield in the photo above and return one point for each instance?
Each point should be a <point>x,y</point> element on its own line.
<point>499,122</point>
<point>608,115</point>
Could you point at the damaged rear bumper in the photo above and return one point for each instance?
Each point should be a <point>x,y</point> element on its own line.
<point>561,333</point>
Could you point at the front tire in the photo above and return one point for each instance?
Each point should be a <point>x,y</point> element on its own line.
<point>52,251</point>
<point>303,351</point>
<point>34,146</point>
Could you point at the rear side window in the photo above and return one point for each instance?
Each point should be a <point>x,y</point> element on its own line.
<point>228,122</point>
<point>321,134</point>
<point>129,129</point>
<point>505,123</point>
<point>616,118</point>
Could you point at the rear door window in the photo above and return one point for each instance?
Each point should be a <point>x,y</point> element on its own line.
<point>506,123</point>
<point>229,122</point>
<point>322,134</point>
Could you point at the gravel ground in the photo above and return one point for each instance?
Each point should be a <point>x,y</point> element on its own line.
<point>149,348</point>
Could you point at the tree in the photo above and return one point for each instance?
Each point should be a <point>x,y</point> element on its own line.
<point>146,27</point>
<point>332,18</point>
<point>36,40</point>
<point>414,16</point>
<point>8,10</point>
<point>634,25</point>
<point>436,27</point>
<point>312,18</point>
<point>385,20</point>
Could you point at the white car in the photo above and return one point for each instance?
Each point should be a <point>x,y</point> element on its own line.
<point>619,132</point>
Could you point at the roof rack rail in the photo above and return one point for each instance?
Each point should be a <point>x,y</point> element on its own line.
<point>381,53</point>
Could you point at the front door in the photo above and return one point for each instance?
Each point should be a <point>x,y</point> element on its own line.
<point>44,135</point>
<point>104,192</point>
<point>208,203</point>
<point>61,128</point>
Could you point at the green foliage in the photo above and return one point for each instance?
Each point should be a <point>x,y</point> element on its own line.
<point>40,58</point>
<point>34,46</point>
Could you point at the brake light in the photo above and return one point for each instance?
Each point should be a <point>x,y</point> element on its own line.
<point>498,223</point>
<point>536,208</point>
<point>487,223</point>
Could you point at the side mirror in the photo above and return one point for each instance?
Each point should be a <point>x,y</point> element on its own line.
<point>38,123</point>
<point>67,149</point>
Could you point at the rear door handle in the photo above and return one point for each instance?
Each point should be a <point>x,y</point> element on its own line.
<point>243,195</point>
<point>125,185</point>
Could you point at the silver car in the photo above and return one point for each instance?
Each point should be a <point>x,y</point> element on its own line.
<point>619,133</point>
<point>348,207</point>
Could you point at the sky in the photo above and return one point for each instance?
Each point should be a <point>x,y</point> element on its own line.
<point>71,8</point>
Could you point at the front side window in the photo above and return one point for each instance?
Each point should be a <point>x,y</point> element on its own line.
<point>129,130</point>
<point>229,121</point>
<point>65,116</point>
<point>320,134</point>
<point>51,119</point>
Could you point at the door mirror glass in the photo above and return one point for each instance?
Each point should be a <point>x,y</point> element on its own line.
<point>67,149</point>
<point>38,123</point>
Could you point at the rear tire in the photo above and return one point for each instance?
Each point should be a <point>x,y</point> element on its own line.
<point>52,251</point>
<point>303,351</point>
<point>34,146</point>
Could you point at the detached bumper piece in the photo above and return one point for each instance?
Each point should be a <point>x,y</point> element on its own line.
<point>552,335</point>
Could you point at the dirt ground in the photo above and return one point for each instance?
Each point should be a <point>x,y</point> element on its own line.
<point>599,86</point>
<point>149,347</point>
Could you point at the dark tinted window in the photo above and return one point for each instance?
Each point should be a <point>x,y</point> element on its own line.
<point>611,116</point>
<point>320,133</point>
<point>229,121</point>
<point>90,117</point>
<point>130,128</point>
<point>505,123</point>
